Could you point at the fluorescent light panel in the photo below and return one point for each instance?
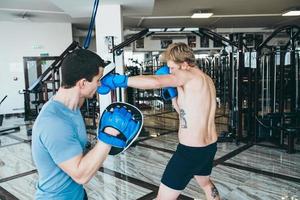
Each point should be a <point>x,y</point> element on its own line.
<point>173,29</point>
<point>191,29</point>
<point>201,15</point>
<point>292,13</point>
<point>157,29</point>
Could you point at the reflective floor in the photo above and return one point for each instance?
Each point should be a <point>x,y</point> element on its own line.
<point>244,171</point>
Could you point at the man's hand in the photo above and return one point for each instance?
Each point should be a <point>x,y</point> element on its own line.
<point>111,131</point>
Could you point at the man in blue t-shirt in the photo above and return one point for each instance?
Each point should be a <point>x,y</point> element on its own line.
<point>59,135</point>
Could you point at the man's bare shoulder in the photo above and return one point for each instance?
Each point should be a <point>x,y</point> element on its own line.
<point>203,76</point>
<point>198,75</point>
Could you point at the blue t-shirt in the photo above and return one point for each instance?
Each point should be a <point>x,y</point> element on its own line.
<point>58,135</point>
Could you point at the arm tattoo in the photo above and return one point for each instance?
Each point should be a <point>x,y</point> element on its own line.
<point>214,192</point>
<point>182,118</point>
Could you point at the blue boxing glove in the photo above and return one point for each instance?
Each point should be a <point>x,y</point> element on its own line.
<point>122,117</point>
<point>169,92</point>
<point>112,81</point>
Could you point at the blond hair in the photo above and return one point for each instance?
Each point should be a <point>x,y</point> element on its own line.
<point>179,53</point>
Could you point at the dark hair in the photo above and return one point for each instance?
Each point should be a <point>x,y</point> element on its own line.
<point>79,64</point>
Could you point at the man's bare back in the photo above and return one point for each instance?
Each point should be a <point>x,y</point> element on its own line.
<point>197,104</point>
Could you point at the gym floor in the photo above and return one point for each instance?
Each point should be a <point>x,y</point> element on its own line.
<point>243,171</point>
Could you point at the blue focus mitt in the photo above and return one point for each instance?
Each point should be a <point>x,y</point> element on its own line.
<point>125,118</point>
<point>169,92</point>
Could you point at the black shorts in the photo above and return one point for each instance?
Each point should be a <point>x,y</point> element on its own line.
<point>186,163</point>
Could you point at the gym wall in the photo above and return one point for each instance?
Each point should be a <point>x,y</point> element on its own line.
<point>19,39</point>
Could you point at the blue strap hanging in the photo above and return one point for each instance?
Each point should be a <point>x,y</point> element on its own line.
<point>87,40</point>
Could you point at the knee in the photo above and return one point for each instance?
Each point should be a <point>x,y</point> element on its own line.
<point>204,182</point>
<point>166,193</point>
<point>161,197</point>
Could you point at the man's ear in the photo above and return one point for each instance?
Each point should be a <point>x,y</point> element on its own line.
<point>184,65</point>
<point>81,83</point>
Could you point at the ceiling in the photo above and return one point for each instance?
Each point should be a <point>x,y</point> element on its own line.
<point>139,14</point>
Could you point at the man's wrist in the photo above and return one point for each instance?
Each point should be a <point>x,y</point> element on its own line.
<point>100,145</point>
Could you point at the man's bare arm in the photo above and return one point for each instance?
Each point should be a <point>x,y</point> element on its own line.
<point>82,168</point>
<point>153,81</point>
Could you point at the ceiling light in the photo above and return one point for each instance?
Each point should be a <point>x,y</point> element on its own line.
<point>200,14</point>
<point>173,29</point>
<point>157,29</point>
<point>292,13</point>
<point>191,29</point>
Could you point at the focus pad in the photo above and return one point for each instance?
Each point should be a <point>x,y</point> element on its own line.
<point>124,117</point>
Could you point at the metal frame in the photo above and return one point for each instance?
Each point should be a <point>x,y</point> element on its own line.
<point>293,32</point>
<point>50,75</point>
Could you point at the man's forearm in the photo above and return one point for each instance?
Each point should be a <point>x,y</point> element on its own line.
<point>92,161</point>
<point>144,82</point>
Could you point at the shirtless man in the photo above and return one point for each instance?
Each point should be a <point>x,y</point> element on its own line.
<point>196,105</point>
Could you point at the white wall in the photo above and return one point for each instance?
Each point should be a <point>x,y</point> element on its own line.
<point>26,39</point>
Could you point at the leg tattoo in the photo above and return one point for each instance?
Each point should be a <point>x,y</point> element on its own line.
<point>214,192</point>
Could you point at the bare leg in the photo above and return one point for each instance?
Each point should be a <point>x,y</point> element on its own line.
<point>209,188</point>
<point>166,193</point>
